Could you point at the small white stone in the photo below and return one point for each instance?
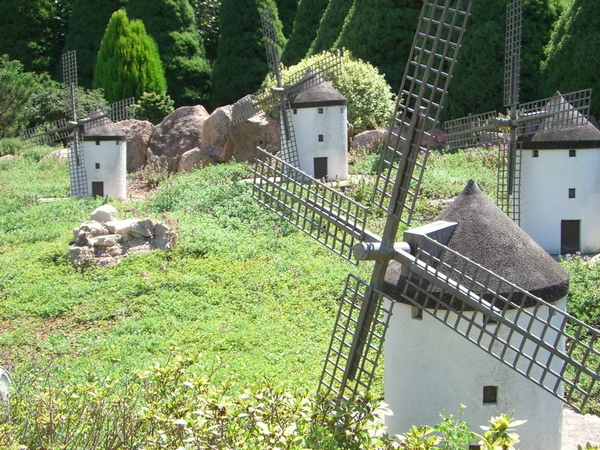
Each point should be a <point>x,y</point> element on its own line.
<point>104,213</point>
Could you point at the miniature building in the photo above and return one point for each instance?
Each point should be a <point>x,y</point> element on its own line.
<point>560,193</point>
<point>105,159</point>
<point>319,116</point>
<point>431,369</point>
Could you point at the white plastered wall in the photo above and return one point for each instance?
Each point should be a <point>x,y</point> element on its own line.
<point>431,369</point>
<point>111,158</point>
<point>545,183</point>
<point>332,125</point>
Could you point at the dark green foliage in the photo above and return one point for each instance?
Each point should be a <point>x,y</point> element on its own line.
<point>331,25</point>
<point>16,87</point>
<point>478,82</point>
<point>153,107</point>
<point>241,64</point>
<point>172,24</point>
<point>87,24</point>
<point>306,24</point>
<point>573,54</point>
<point>48,101</point>
<point>207,19</point>
<point>381,32</point>
<point>128,62</point>
<point>287,12</point>
<point>32,31</point>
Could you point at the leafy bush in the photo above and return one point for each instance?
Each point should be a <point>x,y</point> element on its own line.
<point>153,107</point>
<point>17,87</point>
<point>369,97</point>
<point>177,406</point>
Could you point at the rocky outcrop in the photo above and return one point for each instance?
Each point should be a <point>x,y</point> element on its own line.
<point>215,134</point>
<point>138,134</point>
<point>259,131</point>
<point>58,156</point>
<point>103,240</point>
<point>194,159</point>
<point>179,132</point>
<point>369,140</point>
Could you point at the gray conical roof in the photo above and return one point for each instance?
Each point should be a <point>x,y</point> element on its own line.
<point>486,235</point>
<point>316,95</point>
<point>102,129</point>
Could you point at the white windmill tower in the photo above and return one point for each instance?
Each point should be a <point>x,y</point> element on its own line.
<point>306,102</point>
<point>527,189</point>
<point>478,308</point>
<point>94,169</point>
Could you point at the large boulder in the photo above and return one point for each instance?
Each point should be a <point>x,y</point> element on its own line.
<point>369,140</point>
<point>259,131</point>
<point>194,159</point>
<point>58,156</point>
<point>138,134</point>
<point>215,134</point>
<point>179,132</point>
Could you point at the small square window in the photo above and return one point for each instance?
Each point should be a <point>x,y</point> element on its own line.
<point>571,192</point>
<point>474,447</point>
<point>97,142</point>
<point>320,110</point>
<point>97,165</point>
<point>417,313</point>
<point>295,111</point>
<point>490,395</point>
<point>320,138</point>
<point>535,153</point>
<point>572,153</point>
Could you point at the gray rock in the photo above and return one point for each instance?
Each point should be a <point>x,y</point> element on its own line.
<point>259,131</point>
<point>58,156</point>
<point>215,133</point>
<point>104,213</point>
<point>194,159</point>
<point>138,134</point>
<point>107,240</point>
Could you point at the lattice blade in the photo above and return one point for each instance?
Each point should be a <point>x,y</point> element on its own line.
<point>69,65</point>
<point>289,149</point>
<point>508,187</point>
<point>512,60</point>
<point>422,93</point>
<point>77,173</point>
<point>269,37</point>
<point>358,298</point>
<point>334,220</point>
<point>472,131</point>
<point>114,112</point>
<point>328,68</point>
<point>47,133</point>
<point>555,113</point>
<point>536,339</point>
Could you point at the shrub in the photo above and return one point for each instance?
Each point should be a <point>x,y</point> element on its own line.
<point>17,87</point>
<point>153,107</point>
<point>369,97</point>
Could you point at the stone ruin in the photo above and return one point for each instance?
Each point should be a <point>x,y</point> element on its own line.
<point>103,240</point>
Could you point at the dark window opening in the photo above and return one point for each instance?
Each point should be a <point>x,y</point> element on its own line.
<point>97,189</point>
<point>320,110</point>
<point>320,166</point>
<point>97,142</point>
<point>572,153</point>
<point>571,192</point>
<point>570,235</point>
<point>97,165</point>
<point>535,153</point>
<point>474,447</point>
<point>417,313</point>
<point>490,395</point>
<point>295,111</point>
<point>489,321</point>
<point>321,138</point>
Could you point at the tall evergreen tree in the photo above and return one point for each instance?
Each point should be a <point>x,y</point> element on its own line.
<point>287,12</point>
<point>87,23</point>
<point>172,24</point>
<point>331,25</point>
<point>128,63</point>
<point>306,24</point>
<point>33,32</point>
<point>241,64</point>
<point>478,81</point>
<point>381,32</point>
<point>573,54</point>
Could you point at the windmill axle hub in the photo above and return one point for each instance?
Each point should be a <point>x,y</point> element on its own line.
<point>378,251</point>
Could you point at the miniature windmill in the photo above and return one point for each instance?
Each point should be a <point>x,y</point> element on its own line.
<point>72,129</point>
<point>282,94</point>
<point>524,118</point>
<point>434,278</point>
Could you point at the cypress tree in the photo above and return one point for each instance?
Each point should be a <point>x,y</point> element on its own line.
<point>478,82</point>
<point>128,63</point>
<point>87,23</point>
<point>306,24</point>
<point>241,64</point>
<point>32,31</point>
<point>572,59</point>
<point>172,24</point>
<point>287,11</point>
<point>331,25</point>
<point>381,32</point>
